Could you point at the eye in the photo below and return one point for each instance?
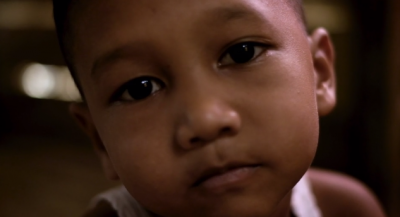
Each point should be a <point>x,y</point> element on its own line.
<point>242,53</point>
<point>139,88</point>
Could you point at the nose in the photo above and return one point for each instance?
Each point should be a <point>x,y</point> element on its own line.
<point>205,121</point>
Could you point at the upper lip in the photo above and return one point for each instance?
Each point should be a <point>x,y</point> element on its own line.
<point>217,170</point>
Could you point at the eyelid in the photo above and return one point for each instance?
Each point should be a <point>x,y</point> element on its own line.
<point>116,96</point>
<point>263,45</point>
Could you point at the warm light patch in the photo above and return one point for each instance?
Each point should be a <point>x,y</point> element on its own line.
<point>49,82</point>
<point>336,18</point>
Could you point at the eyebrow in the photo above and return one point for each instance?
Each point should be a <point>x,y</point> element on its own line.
<point>121,52</point>
<point>216,16</point>
<point>231,13</point>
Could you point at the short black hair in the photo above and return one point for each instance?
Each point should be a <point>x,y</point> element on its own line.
<point>61,13</point>
<point>61,10</point>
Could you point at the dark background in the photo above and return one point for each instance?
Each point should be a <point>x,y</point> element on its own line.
<point>47,167</point>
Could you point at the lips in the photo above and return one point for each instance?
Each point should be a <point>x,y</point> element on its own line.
<point>216,177</point>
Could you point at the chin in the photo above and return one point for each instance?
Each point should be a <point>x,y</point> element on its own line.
<point>241,207</point>
<point>247,211</point>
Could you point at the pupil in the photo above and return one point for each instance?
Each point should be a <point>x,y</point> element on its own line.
<point>140,88</point>
<point>242,53</point>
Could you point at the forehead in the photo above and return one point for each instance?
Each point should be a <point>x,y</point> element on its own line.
<point>99,26</point>
<point>90,8</point>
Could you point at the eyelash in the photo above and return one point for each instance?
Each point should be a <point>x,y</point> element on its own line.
<point>253,49</point>
<point>145,81</point>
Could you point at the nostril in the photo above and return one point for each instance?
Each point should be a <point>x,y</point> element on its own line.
<point>225,130</point>
<point>198,140</point>
<point>195,140</point>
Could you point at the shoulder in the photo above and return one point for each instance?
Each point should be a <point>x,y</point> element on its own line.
<point>341,195</point>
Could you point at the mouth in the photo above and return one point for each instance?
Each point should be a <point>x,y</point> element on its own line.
<point>220,177</point>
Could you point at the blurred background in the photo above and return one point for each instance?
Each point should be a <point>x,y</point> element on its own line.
<point>47,167</point>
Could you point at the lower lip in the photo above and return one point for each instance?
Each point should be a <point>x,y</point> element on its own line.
<point>231,178</point>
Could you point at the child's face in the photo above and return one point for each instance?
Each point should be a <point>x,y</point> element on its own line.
<point>199,105</point>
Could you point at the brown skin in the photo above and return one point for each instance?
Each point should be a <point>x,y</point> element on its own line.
<point>207,112</point>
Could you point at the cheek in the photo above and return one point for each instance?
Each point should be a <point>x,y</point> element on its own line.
<point>287,133</point>
<point>284,116</point>
<point>141,149</point>
<point>142,154</point>
<point>289,136</point>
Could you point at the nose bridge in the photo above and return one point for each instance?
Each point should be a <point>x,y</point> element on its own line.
<point>206,115</point>
<point>202,97</point>
<point>205,107</point>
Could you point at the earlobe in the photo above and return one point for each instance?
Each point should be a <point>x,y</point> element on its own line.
<point>81,114</point>
<point>323,55</point>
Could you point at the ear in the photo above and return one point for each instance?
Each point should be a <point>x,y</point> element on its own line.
<point>81,114</point>
<point>323,55</point>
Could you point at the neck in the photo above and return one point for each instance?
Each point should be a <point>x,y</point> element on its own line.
<point>284,207</point>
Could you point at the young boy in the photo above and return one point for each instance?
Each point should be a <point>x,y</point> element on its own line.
<point>206,108</point>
